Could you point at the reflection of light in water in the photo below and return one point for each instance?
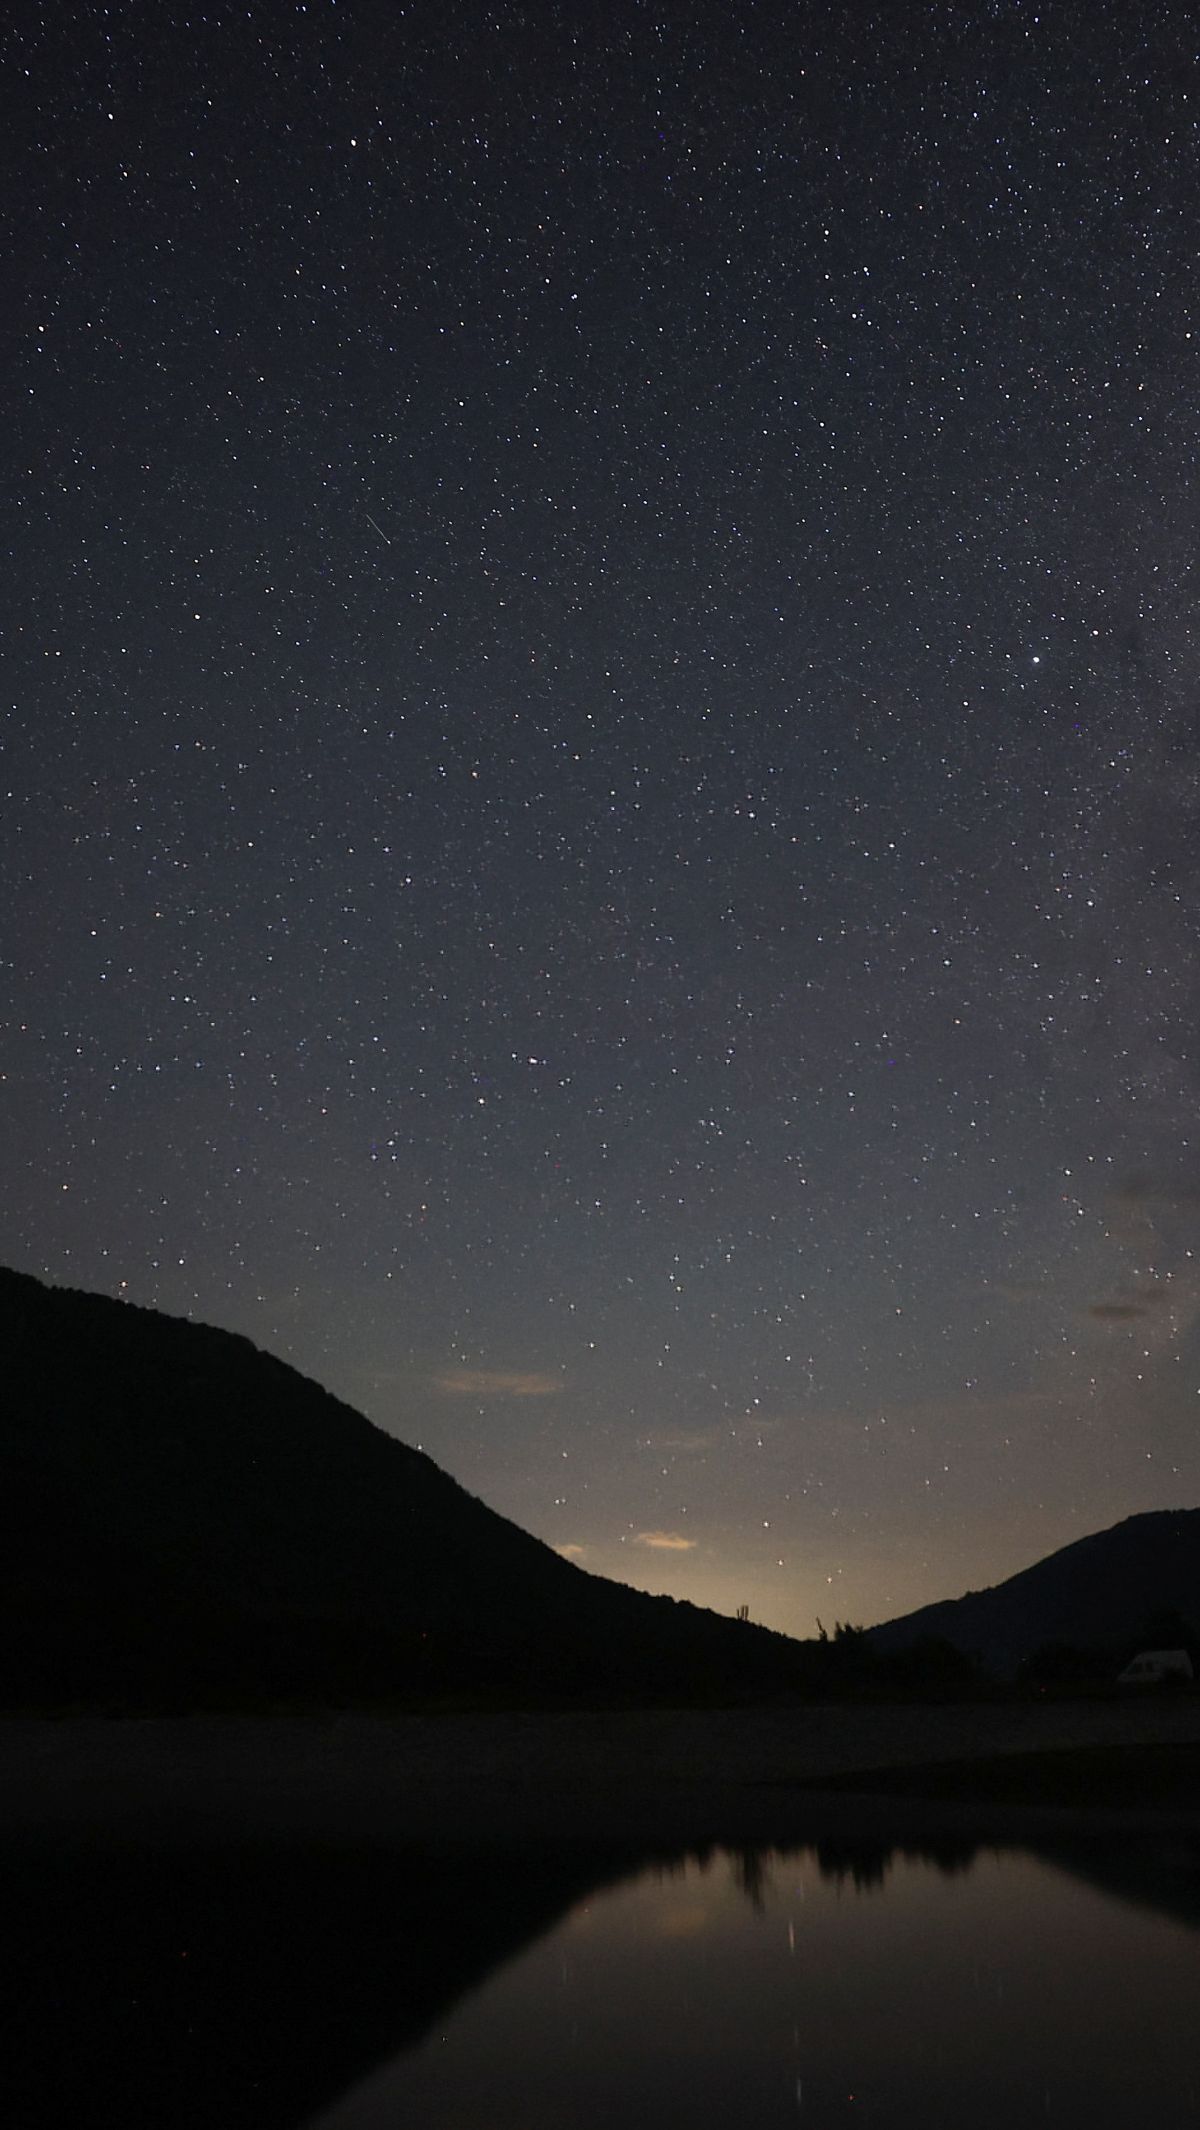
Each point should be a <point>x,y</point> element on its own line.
<point>989,1991</point>
<point>682,1922</point>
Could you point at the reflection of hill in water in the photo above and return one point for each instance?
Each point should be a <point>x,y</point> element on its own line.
<point>244,1986</point>
<point>1158,1873</point>
<point>250,1986</point>
<point>866,1862</point>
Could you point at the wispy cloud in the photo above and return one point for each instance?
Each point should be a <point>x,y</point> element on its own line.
<point>497,1383</point>
<point>1154,1222</point>
<point>570,1551</point>
<point>682,1441</point>
<point>665,1541</point>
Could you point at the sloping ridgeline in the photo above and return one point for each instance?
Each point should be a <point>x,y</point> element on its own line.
<point>185,1521</point>
<point>1098,1595</point>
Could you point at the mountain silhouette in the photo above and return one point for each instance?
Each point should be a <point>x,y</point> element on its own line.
<point>186,1521</point>
<point>1099,1595</point>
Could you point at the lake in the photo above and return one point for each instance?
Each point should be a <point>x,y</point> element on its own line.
<point>265,1985</point>
<point>831,1986</point>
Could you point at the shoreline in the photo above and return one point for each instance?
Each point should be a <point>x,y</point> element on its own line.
<point>676,1778</point>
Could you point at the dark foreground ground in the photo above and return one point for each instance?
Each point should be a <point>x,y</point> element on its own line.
<point>508,1779</point>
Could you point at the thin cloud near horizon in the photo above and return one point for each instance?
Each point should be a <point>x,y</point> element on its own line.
<point>665,1541</point>
<point>497,1383</point>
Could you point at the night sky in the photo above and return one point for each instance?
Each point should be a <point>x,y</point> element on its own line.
<point>601,764</point>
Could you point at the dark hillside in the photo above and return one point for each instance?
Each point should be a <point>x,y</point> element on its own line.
<point>1098,1595</point>
<point>185,1520</point>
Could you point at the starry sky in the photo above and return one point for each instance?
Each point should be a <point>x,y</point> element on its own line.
<point>601,768</point>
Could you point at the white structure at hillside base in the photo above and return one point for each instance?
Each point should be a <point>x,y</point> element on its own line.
<point>1151,1665</point>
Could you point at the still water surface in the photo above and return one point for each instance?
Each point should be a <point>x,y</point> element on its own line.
<point>808,1989</point>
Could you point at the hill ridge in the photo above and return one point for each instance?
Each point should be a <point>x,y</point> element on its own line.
<point>184,1515</point>
<point>1093,1594</point>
